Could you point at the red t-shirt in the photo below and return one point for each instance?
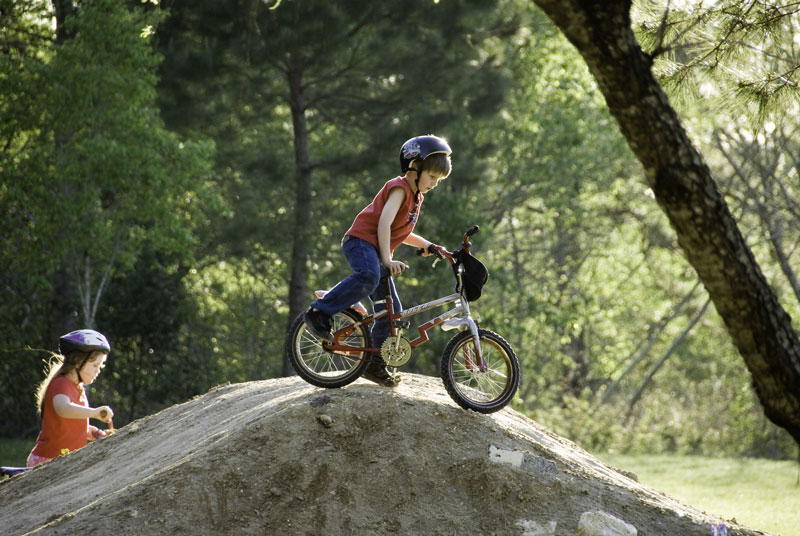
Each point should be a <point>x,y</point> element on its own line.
<point>365,226</point>
<point>57,432</point>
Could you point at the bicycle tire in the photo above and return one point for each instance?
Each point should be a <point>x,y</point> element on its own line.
<point>484,392</point>
<point>321,367</point>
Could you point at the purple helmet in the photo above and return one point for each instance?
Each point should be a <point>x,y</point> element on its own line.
<point>420,148</point>
<point>85,340</point>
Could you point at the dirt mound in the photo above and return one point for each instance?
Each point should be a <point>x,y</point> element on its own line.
<point>282,457</point>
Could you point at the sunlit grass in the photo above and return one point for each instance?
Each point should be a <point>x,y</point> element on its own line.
<point>14,452</point>
<point>760,494</point>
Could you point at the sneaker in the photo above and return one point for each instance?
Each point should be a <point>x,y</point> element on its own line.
<point>376,372</point>
<point>318,323</point>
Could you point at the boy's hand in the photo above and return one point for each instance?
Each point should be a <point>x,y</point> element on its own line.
<point>395,267</point>
<point>433,249</point>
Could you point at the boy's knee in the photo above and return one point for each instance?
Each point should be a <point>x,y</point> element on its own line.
<point>368,281</point>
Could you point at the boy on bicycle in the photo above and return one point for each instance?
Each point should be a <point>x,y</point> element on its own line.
<point>371,240</point>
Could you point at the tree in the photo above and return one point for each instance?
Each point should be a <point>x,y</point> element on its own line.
<point>333,88</point>
<point>686,192</point>
<point>89,172</point>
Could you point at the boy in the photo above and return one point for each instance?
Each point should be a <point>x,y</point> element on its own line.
<point>376,231</point>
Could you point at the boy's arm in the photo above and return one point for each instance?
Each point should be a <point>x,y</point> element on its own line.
<point>396,199</point>
<point>417,241</point>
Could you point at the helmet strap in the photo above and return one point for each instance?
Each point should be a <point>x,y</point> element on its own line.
<point>80,368</point>
<point>416,183</point>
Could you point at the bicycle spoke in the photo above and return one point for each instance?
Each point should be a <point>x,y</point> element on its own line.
<point>482,386</point>
<point>328,368</point>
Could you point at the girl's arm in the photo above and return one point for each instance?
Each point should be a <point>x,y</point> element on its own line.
<point>396,199</point>
<point>67,409</point>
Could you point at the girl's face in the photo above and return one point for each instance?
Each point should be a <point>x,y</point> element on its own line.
<point>92,368</point>
<point>428,181</point>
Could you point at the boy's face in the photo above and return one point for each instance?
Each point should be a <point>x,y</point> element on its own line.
<point>428,181</point>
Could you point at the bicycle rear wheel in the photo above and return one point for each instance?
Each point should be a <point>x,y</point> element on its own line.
<point>487,391</point>
<point>325,368</point>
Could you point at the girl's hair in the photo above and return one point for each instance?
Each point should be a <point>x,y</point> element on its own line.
<point>437,164</point>
<point>59,365</point>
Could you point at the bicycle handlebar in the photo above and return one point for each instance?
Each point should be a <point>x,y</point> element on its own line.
<point>465,244</point>
<point>432,248</point>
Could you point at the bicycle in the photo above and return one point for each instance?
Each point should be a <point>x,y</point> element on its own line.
<point>479,368</point>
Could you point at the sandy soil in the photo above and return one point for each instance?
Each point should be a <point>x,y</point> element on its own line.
<point>283,457</point>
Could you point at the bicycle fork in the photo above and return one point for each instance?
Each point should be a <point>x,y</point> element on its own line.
<point>460,322</point>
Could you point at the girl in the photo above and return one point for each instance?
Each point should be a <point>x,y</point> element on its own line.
<point>61,398</point>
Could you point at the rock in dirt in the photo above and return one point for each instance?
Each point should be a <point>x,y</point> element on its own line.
<point>596,523</point>
<point>283,457</point>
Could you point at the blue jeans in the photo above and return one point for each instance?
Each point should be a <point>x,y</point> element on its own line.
<point>365,281</point>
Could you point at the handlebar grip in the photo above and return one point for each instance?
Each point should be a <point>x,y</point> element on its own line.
<point>431,249</point>
<point>472,230</point>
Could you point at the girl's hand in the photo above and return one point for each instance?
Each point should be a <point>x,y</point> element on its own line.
<point>395,267</point>
<point>95,433</point>
<point>104,413</point>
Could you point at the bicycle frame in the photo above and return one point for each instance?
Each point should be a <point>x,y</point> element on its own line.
<point>451,319</point>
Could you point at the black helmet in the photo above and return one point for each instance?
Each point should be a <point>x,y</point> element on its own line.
<point>85,340</point>
<point>420,148</point>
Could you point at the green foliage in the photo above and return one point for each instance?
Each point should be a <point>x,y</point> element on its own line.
<point>743,54</point>
<point>89,175</point>
<point>115,164</point>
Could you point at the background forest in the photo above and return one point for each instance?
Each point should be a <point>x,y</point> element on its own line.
<point>178,175</point>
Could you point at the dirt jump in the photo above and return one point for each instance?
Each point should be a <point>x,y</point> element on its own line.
<point>283,457</point>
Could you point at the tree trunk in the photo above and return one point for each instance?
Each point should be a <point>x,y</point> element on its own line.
<point>62,308</point>
<point>684,189</point>
<point>298,297</point>
<point>64,9</point>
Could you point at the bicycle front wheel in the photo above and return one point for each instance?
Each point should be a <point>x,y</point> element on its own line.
<point>484,391</point>
<point>326,368</point>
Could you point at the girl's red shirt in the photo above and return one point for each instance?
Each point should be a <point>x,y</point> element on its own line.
<point>365,225</point>
<point>57,432</point>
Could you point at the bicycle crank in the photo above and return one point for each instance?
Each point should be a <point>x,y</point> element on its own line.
<point>396,351</point>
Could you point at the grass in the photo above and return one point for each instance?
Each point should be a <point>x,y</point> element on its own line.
<point>14,452</point>
<point>758,493</point>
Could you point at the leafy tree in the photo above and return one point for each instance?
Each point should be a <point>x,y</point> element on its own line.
<point>685,190</point>
<point>89,172</point>
<point>328,91</point>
